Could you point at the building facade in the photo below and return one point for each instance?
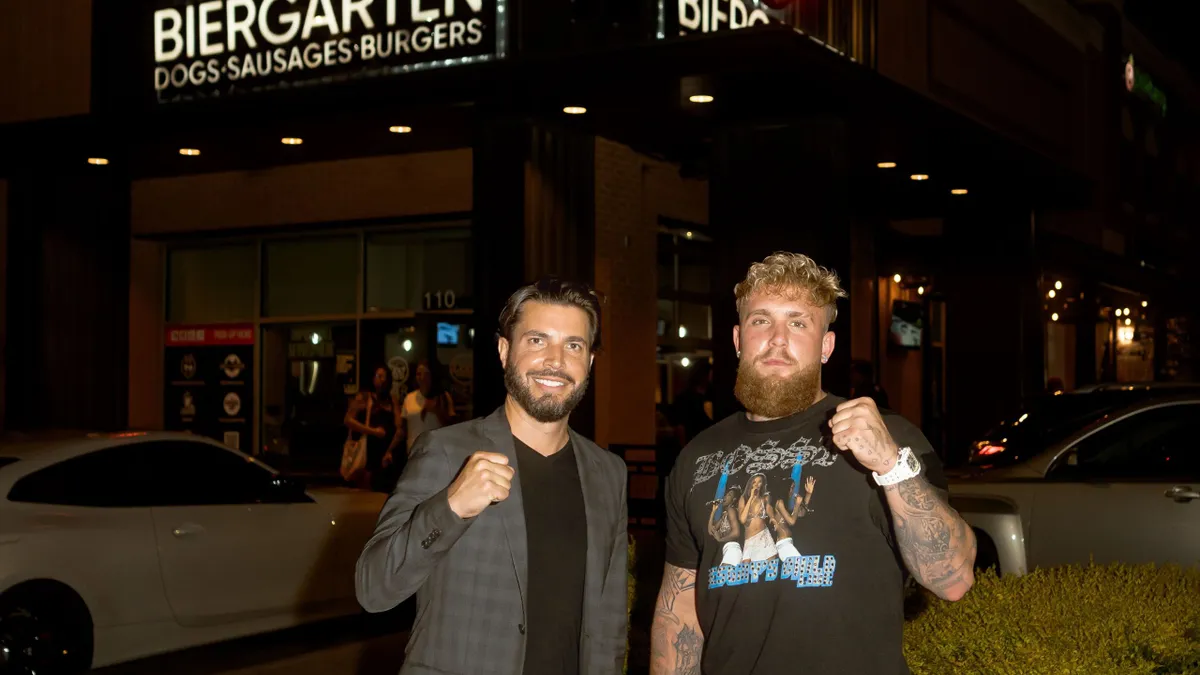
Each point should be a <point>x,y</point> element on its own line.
<point>224,216</point>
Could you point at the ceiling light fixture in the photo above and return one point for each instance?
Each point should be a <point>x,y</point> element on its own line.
<point>897,278</point>
<point>189,152</point>
<point>100,161</point>
<point>886,165</point>
<point>919,176</point>
<point>575,110</point>
<point>291,141</point>
<point>958,191</point>
<point>400,130</point>
<point>700,98</point>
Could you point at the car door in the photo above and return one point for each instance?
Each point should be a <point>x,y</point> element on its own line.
<point>1125,493</point>
<point>234,542</point>
<point>86,522</point>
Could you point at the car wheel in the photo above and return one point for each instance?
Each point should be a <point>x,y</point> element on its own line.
<point>44,632</point>
<point>986,555</point>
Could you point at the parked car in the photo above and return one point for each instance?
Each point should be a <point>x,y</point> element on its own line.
<point>1106,474</point>
<point>116,547</point>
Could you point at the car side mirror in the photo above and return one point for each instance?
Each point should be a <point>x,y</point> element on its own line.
<point>1067,466</point>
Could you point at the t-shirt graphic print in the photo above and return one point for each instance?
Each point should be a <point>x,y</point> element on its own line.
<point>753,525</point>
<point>791,542</point>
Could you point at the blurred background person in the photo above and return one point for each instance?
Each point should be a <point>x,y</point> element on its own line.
<point>381,425</point>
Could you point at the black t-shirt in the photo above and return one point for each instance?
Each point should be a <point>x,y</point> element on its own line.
<point>556,528</point>
<point>817,586</point>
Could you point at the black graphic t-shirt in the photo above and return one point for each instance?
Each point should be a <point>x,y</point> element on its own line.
<point>792,544</point>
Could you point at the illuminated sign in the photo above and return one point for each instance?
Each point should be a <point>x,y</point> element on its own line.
<point>227,46</point>
<point>1138,82</point>
<point>687,17</point>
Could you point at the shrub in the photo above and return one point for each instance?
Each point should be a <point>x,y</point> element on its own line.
<point>1090,620</point>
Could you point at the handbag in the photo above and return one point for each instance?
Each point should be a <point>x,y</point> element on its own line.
<point>354,452</point>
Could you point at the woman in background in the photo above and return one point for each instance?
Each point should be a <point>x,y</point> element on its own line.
<point>428,407</point>
<point>382,428</point>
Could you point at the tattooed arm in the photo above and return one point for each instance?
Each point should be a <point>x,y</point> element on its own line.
<point>675,638</point>
<point>937,545</point>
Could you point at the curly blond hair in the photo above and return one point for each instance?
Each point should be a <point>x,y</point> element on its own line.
<point>794,276</point>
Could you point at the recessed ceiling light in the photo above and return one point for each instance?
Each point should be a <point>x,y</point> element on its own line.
<point>400,130</point>
<point>292,141</point>
<point>958,191</point>
<point>189,152</point>
<point>886,165</point>
<point>896,278</point>
<point>919,176</point>
<point>100,161</point>
<point>574,110</point>
<point>700,98</point>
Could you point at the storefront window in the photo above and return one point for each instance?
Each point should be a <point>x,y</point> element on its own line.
<point>310,277</point>
<point>307,372</point>
<point>418,271</point>
<point>334,308</point>
<point>211,284</point>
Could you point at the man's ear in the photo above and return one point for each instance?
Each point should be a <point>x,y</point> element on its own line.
<point>502,347</point>
<point>737,338</point>
<point>827,344</point>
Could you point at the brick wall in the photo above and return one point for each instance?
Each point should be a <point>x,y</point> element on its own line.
<point>632,191</point>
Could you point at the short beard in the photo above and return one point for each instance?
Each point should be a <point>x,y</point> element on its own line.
<point>776,397</point>
<point>547,408</point>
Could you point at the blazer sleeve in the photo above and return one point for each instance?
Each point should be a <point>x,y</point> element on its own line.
<point>415,530</point>
<point>614,616</point>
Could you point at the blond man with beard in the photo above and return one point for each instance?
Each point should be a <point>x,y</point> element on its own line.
<point>830,600</point>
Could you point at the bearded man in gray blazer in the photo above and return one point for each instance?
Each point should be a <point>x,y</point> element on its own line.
<point>511,529</point>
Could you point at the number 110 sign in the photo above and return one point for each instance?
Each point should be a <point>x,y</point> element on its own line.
<point>439,300</point>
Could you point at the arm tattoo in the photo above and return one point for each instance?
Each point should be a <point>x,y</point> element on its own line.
<point>675,641</point>
<point>936,544</point>
<point>687,652</point>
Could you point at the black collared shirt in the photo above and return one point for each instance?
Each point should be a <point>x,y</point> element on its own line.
<point>556,528</point>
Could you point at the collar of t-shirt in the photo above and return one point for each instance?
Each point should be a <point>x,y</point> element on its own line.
<point>814,414</point>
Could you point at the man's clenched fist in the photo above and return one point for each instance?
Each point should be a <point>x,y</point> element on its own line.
<point>859,429</point>
<point>485,479</point>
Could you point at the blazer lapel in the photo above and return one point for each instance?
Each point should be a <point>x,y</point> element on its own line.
<point>598,552</point>
<point>511,510</point>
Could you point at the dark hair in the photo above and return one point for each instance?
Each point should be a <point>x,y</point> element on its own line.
<point>435,376</point>
<point>554,291</point>
<point>388,383</point>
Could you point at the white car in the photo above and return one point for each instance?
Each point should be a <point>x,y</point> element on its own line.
<point>1104,475</point>
<point>115,547</point>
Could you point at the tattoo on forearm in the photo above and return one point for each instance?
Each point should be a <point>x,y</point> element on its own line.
<point>935,542</point>
<point>687,652</point>
<point>675,644</point>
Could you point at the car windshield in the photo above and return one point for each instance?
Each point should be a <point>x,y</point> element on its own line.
<point>1044,421</point>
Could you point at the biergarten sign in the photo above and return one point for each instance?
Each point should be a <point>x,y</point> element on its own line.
<point>210,48</point>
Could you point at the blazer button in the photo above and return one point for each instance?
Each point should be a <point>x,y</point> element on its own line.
<point>521,627</point>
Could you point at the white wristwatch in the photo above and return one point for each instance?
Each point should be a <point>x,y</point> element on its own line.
<point>907,466</point>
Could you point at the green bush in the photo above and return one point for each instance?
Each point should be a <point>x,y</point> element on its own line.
<point>1086,620</point>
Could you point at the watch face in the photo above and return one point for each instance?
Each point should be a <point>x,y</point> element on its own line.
<point>913,464</point>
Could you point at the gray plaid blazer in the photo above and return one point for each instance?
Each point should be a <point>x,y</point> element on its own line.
<point>471,576</point>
